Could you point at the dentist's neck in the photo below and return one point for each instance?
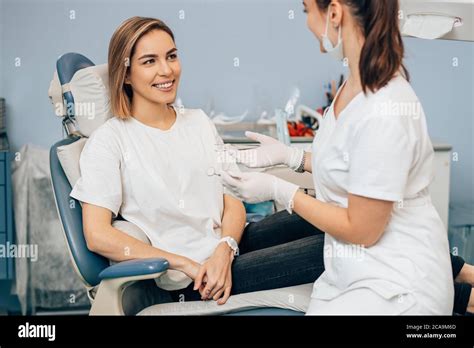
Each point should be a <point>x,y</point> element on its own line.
<point>353,43</point>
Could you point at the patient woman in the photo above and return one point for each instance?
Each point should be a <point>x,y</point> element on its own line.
<point>150,164</point>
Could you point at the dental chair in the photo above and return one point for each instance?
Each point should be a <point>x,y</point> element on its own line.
<point>77,84</point>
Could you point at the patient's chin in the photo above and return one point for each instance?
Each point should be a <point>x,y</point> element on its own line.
<point>169,100</point>
<point>165,99</point>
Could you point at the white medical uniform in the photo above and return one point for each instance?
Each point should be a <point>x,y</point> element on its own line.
<point>158,180</point>
<point>379,147</point>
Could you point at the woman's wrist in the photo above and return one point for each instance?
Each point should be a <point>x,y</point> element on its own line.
<point>284,193</point>
<point>178,262</point>
<point>301,166</point>
<point>294,157</point>
<point>225,249</point>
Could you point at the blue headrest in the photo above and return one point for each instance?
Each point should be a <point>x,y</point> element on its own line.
<point>66,66</point>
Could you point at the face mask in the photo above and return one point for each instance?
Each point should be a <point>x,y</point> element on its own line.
<point>335,51</point>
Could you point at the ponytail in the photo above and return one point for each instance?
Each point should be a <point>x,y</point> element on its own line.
<point>382,54</point>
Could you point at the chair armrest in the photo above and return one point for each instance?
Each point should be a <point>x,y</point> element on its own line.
<point>116,278</point>
<point>133,268</point>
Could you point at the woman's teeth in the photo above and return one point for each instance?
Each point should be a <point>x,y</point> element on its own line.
<point>164,85</point>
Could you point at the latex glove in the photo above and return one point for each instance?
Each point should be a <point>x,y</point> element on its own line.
<point>254,187</point>
<point>271,152</point>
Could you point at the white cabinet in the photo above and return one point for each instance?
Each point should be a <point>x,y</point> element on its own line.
<point>439,188</point>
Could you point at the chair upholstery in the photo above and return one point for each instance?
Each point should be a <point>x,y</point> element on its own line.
<point>87,263</point>
<point>67,65</point>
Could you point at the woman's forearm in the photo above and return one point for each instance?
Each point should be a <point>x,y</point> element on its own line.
<point>327,217</point>
<point>363,223</point>
<point>119,246</point>
<point>233,218</point>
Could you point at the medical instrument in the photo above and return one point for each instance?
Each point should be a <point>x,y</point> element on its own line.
<point>211,171</point>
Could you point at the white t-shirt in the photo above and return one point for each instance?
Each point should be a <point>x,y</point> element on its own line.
<point>158,180</point>
<point>379,148</point>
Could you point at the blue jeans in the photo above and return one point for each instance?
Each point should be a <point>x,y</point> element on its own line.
<point>279,251</point>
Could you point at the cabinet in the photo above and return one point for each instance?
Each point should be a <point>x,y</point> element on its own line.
<point>439,187</point>
<point>6,216</point>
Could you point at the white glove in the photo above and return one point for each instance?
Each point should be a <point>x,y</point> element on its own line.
<point>255,187</point>
<point>271,152</point>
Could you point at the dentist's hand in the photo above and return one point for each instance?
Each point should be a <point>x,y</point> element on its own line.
<point>271,152</point>
<point>255,187</point>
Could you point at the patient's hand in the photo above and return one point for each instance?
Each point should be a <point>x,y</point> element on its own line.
<point>218,271</point>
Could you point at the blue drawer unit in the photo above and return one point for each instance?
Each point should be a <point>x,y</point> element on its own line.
<point>3,260</point>
<point>2,169</point>
<point>6,215</point>
<point>3,210</point>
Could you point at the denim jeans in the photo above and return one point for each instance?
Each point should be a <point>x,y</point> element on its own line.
<point>279,251</point>
<point>462,291</point>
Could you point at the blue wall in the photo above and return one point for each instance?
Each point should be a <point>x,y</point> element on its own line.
<point>276,54</point>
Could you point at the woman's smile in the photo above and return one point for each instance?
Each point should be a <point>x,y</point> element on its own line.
<point>166,86</point>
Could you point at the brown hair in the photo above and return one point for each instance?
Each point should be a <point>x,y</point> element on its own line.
<point>121,50</point>
<point>381,56</point>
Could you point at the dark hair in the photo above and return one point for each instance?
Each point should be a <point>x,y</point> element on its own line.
<point>382,54</point>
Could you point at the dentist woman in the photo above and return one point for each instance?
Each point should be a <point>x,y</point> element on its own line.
<point>386,250</point>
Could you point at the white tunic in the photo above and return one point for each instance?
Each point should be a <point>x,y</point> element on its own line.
<point>158,180</point>
<point>379,148</point>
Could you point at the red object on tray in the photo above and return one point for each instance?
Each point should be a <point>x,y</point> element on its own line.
<point>299,129</point>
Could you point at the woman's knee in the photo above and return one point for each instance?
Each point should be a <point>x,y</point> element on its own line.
<point>276,229</point>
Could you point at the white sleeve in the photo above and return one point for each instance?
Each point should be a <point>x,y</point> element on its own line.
<point>100,182</point>
<point>227,166</point>
<point>380,159</point>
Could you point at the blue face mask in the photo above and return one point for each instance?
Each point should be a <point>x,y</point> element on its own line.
<point>335,51</point>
